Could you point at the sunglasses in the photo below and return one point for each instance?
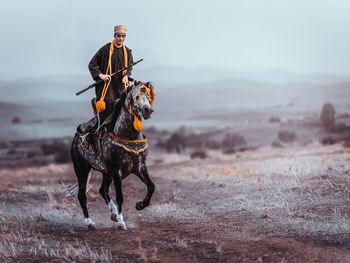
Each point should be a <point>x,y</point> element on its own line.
<point>121,35</point>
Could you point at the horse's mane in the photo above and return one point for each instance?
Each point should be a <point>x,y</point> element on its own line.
<point>118,104</point>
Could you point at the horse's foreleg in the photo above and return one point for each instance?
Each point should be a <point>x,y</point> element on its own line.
<point>104,189</point>
<point>117,178</point>
<point>144,176</point>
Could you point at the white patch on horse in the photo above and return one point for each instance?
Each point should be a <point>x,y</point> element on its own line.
<point>89,223</point>
<point>112,207</point>
<point>120,222</point>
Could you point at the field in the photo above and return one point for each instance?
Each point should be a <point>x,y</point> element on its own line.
<point>269,204</point>
<point>281,195</point>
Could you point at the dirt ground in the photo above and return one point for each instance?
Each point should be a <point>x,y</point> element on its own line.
<point>268,205</point>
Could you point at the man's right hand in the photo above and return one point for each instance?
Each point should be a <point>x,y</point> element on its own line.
<point>105,77</point>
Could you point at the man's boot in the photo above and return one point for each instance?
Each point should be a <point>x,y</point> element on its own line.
<point>88,127</point>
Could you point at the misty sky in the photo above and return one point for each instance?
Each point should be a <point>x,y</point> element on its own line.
<point>61,36</point>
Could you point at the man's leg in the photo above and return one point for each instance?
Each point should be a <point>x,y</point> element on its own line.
<point>89,126</point>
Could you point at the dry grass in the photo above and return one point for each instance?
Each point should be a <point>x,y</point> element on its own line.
<point>304,193</point>
<point>200,207</point>
<point>26,241</point>
<point>173,211</point>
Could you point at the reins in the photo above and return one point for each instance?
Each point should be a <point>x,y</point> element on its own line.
<point>139,145</point>
<point>150,96</point>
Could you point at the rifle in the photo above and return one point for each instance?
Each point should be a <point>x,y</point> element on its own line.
<point>101,80</point>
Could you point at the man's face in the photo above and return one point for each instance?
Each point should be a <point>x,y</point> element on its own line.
<point>119,38</point>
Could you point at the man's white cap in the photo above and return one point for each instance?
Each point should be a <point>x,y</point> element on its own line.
<point>120,29</point>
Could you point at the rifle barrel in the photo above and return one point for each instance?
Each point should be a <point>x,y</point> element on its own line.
<point>113,74</point>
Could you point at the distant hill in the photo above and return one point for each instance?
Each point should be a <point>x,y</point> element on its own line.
<point>53,88</point>
<point>175,75</point>
<point>48,105</point>
<point>63,88</point>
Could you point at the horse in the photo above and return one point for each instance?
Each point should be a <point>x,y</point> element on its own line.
<point>120,150</point>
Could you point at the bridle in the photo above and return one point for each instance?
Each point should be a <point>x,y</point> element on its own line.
<point>134,94</point>
<point>137,146</point>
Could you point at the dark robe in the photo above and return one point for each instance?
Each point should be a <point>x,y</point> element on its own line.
<point>98,65</point>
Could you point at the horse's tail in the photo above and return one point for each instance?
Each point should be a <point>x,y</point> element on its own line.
<point>73,188</point>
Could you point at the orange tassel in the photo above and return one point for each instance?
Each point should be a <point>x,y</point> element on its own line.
<point>137,124</point>
<point>100,105</point>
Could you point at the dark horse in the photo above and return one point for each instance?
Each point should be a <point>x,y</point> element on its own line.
<point>120,149</point>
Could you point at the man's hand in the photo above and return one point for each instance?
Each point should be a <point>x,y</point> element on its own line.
<point>105,77</point>
<point>125,80</point>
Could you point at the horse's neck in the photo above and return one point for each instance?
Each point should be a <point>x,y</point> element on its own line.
<point>124,126</point>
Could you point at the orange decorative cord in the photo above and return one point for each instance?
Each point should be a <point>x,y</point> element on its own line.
<point>100,104</point>
<point>137,122</point>
<point>116,137</point>
<point>150,96</point>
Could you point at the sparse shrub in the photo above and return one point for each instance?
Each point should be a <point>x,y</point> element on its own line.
<point>276,144</point>
<point>274,119</point>
<point>16,120</point>
<point>232,143</point>
<point>213,145</point>
<point>178,141</point>
<point>158,160</point>
<point>340,127</point>
<point>286,136</point>
<point>343,115</point>
<point>347,143</point>
<point>328,141</point>
<point>59,149</point>
<point>199,154</point>
<point>12,152</point>
<point>183,139</point>
<point>328,116</point>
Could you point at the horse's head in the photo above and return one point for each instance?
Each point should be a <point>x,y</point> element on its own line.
<point>140,99</point>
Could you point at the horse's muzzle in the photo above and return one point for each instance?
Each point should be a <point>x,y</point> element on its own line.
<point>146,112</point>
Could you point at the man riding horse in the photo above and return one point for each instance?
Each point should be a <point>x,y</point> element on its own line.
<point>120,147</point>
<point>108,59</point>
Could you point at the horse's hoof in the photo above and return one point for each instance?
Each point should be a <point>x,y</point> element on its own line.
<point>114,217</point>
<point>121,226</point>
<point>90,224</point>
<point>91,227</point>
<point>139,206</point>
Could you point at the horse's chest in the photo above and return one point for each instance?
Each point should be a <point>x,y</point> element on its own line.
<point>127,162</point>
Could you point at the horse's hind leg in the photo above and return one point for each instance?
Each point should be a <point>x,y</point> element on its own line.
<point>144,176</point>
<point>104,189</point>
<point>82,182</point>
<point>82,171</point>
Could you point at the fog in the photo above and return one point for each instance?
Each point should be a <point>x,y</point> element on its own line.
<point>59,37</point>
<point>252,55</point>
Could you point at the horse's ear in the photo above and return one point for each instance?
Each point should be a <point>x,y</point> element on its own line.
<point>148,84</point>
<point>152,93</point>
<point>136,82</point>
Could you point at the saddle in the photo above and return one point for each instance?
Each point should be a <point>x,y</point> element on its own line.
<point>92,127</point>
